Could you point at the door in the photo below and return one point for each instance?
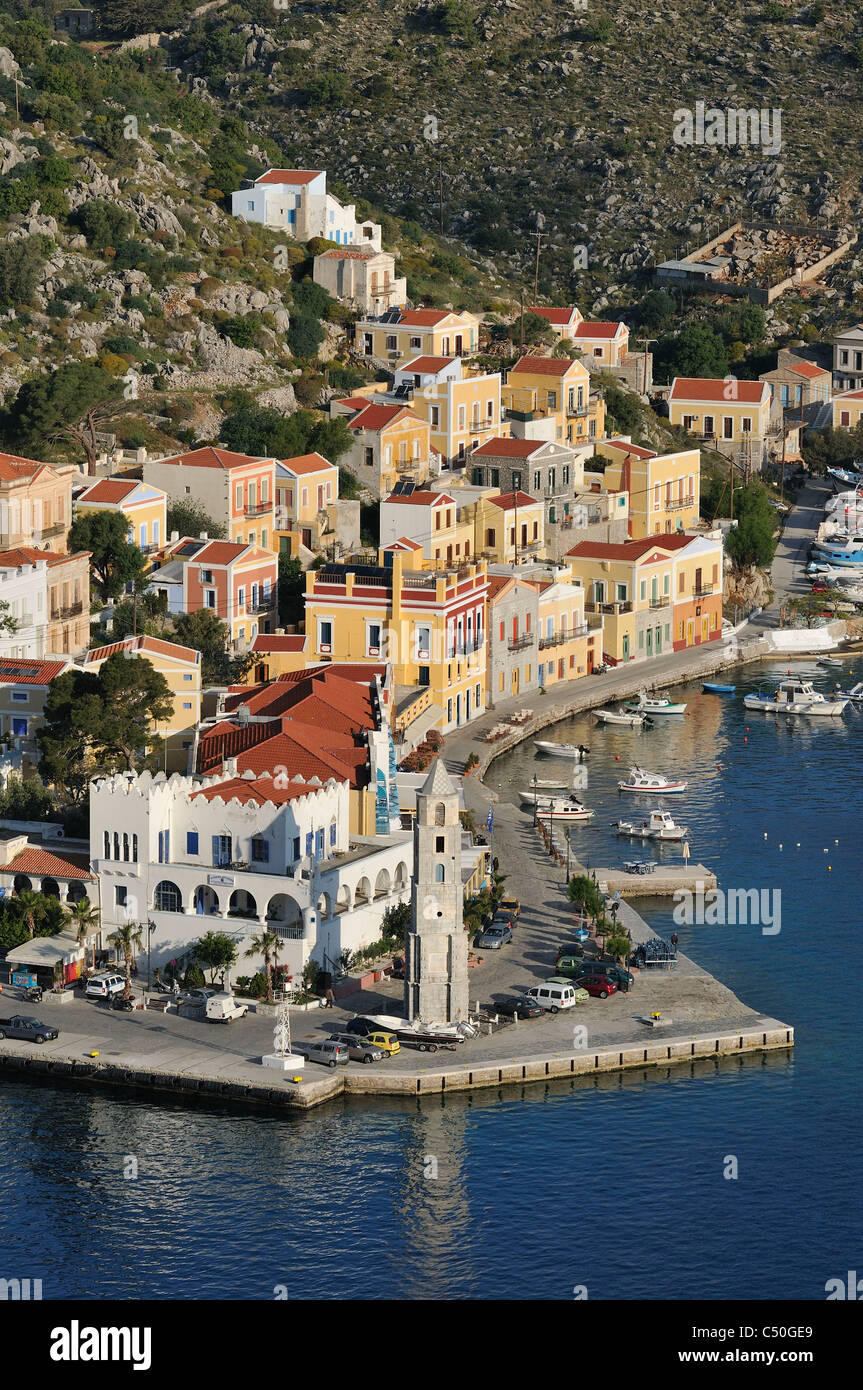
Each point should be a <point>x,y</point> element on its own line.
<point>690,633</point>
<point>626,646</point>
<point>705,629</point>
<point>590,659</point>
<point>650,641</point>
<point>515,681</point>
<point>368,344</point>
<point>458,709</point>
<point>658,640</point>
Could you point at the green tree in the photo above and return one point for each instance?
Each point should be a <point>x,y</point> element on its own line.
<point>126,18</point>
<point>34,910</point>
<point>103,224</point>
<point>697,350</point>
<point>65,404</point>
<point>128,940</point>
<point>531,329</point>
<point>305,335</point>
<point>190,517</point>
<point>656,311</point>
<point>268,945</point>
<point>86,919</point>
<point>114,560</point>
<point>136,698</point>
<point>21,265</point>
<point>752,541</point>
<point>242,329</point>
<point>216,951</point>
<point>292,590</point>
<point>583,892</point>
<point>207,634</point>
<point>263,432</point>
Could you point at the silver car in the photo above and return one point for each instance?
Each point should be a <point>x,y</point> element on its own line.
<point>358,1049</point>
<point>327,1052</point>
<point>493,937</point>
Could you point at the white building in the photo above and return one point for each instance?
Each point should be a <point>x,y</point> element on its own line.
<point>297,200</point>
<point>241,854</point>
<point>24,588</point>
<point>361,278</point>
<point>848,359</point>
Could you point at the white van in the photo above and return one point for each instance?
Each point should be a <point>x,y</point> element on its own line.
<point>104,986</point>
<point>552,996</point>
<point>223,1008</point>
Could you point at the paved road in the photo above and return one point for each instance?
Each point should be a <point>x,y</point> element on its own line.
<point>792,551</point>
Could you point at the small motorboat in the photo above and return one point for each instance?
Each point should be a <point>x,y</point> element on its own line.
<point>654,704</point>
<point>838,552</point>
<point>658,826</point>
<point>714,688</point>
<point>827,661</point>
<point>545,787</point>
<point>561,750</point>
<point>855,694</point>
<point>795,697</point>
<point>562,808</point>
<point>652,782</point>
<point>621,716</point>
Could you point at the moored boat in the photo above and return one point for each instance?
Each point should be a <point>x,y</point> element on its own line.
<point>561,808</point>
<point>659,825</point>
<point>655,704</point>
<point>715,688</point>
<point>795,697</point>
<point>652,782</point>
<point>561,750</point>
<point>620,716</point>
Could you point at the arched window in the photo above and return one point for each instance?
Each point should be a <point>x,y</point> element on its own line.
<point>440,814</point>
<point>107,844</point>
<point>134,849</point>
<point>439,873</point>
<point>125,846</point>
<point>167,897</point>
<point>116,845</point>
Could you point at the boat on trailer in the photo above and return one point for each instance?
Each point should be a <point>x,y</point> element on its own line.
<point>795,697</point>
<point>650,782</point>
<point>659,825</point>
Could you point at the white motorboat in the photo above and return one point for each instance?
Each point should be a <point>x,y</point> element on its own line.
<point>850,589</point>
<point>847,552</point>
<point>561,750</point>
<point>655,704</point>
<point>851,573</point>
<point>621,716</point>
<point>650,782</point>
<point>855,694</point>
<point>795,697</point>
<point>560,808</point>
<point>658,826</point>
<point>544,787</point>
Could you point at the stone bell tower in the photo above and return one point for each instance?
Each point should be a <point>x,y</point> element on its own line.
<point>436,944</point>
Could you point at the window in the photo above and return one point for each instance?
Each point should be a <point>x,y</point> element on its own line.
<point>434,417</point>
<point>20,696</point>
<point>120,895</point>
<point>191,842</point>
<point>479,695</point>
<point>241,597</point>
<point>167,897</point>
<point>221,851</point>
<point>373,639</point>
<point>416,343</point>
<point>19,728</point>
<point>260,851</point>
<point>209,598</point>
<point>708,424</point>
<point>392,342</point>
<point>296,847</point>
<point>440,844</point>
<point>494,474</point>
<point>439,873</point>
<point>310,842</point>
<point>333,835</point>
<point>125,847</point>
<point>107,845</point>
<point>325,635</point>
<point>551,400</point>
<point>747,424</point>
<point>187,704</point>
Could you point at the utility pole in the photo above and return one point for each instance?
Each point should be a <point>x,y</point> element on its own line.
<point>522,322</point>
<point>440,195</point>
<point>536,269</point>
<point>731,470</point>
<point>515,500</point>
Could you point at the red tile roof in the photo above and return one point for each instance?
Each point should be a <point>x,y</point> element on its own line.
<point>423,318</point>
<point>377,417</point>
<point>628,550</point>
<point>808,369</point>
<point>259,789</point>
<point>153,645</point>
<point>213,458</point>
<point>561,317</point>
<point>508,501</point>
<point>634,449</point>
<point>111,490</point>
<point>18,671</point>
<point>40,862</point>
<point>849,395</point>
<point>421,498</point>
<point>307,463</point>
<point>404,543</point>
<point>508,448</point>
<point>280,642</point>
<point>716,390</point>
<point>586,329</point>
<point>347,253</point>
<point>425,365</point>
<point>291,176</point>
<point>12,467</point>
<point>496,583</point>
<point>528,365</point>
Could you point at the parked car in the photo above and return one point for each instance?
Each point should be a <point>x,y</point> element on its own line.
<point>222,1007</point>
<point>517,1006</point>
<point>327,1052</point>
<point>621,977</point>
<point>27,1029</point>
<point>493,937</point>
<point>553,996</point>
<point>598,986</point>
<point>104,986</point>
<point>197,996</point>
<point>385,1042</point>
<point>358,1049</point>
<point>581,995</point>
<point>511,906</point>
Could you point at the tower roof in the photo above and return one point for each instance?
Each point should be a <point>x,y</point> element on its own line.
<point>438,782</point>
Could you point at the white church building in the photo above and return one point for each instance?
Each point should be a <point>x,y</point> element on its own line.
<point>242,854</point>
<point>297,201</point>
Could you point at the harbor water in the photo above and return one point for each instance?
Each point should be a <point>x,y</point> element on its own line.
<point>738,1178</point>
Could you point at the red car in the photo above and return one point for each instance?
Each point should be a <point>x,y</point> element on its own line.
<point>820,587</point>
<point>598,986</point>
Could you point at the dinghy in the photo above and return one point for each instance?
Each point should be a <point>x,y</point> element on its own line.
<point>654,704</point>
<point>714,688</point>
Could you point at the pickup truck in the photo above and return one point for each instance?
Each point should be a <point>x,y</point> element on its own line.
<point>30,1029</point>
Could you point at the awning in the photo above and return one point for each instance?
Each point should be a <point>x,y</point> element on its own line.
<point>46,950</point>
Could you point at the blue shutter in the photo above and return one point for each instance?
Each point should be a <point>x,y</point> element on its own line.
<point>310,840</point>
<point>191,842</point>
<point>161,848</point>
<point>216,854</point>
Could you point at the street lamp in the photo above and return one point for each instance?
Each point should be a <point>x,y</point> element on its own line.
<point>566,837</point>
<point>151,927</point>
<point>535,785</point>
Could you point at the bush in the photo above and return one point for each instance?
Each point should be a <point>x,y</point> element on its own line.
<point>305,336</point>
<point>76,293</point>
<point>194,977</point>
<point>331,89</point>
<point>20,268</point>
<point>103,224</point>
<point>242,329</point>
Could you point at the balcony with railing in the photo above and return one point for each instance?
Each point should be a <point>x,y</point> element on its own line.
<point>611,609</point>
<point>518,644</point>
<point>660,601</point>
<point>704,590</point>
<point>679,504</point>
<point>565,635</point>
<point>70,610</point>
<point>575,411</point>
<point>257,508</point>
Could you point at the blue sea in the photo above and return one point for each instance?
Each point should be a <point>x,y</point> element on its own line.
<point>614,1186</point>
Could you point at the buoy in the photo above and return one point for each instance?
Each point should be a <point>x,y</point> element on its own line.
<point>765,834</point>
<point>829,869</point>
<point>746,740</point>
<point>617,757</point>
<point>798,844</point>
<point>780,846</point>
<point>835,842</point>
<point>718,767</point>
<point>92,1054</point>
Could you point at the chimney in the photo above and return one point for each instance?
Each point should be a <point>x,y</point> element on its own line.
<point>203,536</point>
<point>175,535</point>
<point>229,767</point>
<point>243,714</point>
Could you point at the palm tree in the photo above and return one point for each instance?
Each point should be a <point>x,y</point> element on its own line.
<point>86,919</point>
<point>33,908</point>
<point>268,945</point>
<point>128,940</point>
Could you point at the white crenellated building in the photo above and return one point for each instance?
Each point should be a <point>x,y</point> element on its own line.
<point>240,854</point>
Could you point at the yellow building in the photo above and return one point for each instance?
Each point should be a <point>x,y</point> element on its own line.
<point>664,489</point>
<point>847,410</point>
<point>509,527</point>
<point>143,505</point>
<point>430,624</point>
<point>463,410</point>
<point>429,526</point>
<point>606,341</point>
<point>181,667</point>
<point>407,333</point>
<point>655,594</point>
<point>732,415</point>
<point>567,648</point>
<point>35,503</point>
<point>305,486</point>
<point>390,442</point>
<point>555,389</point>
